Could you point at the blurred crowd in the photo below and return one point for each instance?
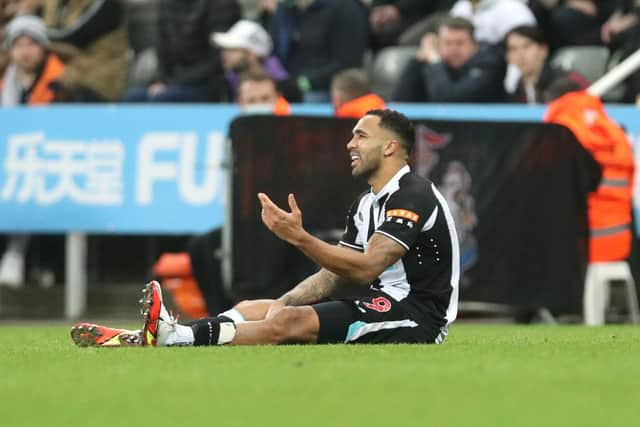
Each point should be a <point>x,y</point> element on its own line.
<point>403,50</point>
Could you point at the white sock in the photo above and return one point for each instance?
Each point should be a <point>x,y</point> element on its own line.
<point>227,332</point>
<point>175,335</point>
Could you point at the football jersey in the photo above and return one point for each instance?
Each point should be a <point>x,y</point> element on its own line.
<point>410,210</point>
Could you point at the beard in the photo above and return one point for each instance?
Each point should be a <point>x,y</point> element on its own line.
<point>367,166</point>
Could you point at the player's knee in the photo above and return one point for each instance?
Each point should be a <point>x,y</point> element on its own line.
<point>289,325</point>
<point>253,309</point>
<point>243,305</point>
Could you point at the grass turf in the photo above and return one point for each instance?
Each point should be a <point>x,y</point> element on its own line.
<point>485,375</point>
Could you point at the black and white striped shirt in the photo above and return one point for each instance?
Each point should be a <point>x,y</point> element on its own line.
<point>411,211</point>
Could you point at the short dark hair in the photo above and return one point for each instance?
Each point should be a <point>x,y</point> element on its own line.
<point>457,23</point>
<point>256,76</point>
<point>397,123</point>
<point>352,82</point>
<point>530,32</point>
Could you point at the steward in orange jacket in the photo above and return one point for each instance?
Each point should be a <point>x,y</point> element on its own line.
<point>351,94</point>
<point>610,205</point>
<point>282,107</point>
<point>41,92</point>
<point>357,107</point>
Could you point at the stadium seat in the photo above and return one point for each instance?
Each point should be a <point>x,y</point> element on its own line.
<point>387,68</point>
<point>600,276</point>
<point>143,68</point>
<point>590,61</point>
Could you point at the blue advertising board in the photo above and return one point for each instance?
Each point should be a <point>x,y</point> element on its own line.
<point>113,169</point>
<point>157,169</point>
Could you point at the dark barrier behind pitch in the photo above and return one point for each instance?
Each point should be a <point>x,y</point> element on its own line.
<point>517,192</point>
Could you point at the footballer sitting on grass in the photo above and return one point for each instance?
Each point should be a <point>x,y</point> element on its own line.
<point>400,245</point>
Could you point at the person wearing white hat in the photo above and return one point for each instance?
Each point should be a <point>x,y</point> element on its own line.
<point>245,48</point>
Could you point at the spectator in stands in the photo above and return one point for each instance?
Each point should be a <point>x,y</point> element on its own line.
<point>91,38</point>
<point>528,51</point>
<point>390,18</point>
<point>315,39</point>
<point>257,92</point>
<point>621,33</point>
<point>573,22</point>
<point>32,70</point>
<point>351,94</point>
<point>625,16</point>
<point>580,22</point>
<point>452,67</point>
<point>190,69</point>
<point>28,80</point>
<point>246,47</point>
<point>493,19</point>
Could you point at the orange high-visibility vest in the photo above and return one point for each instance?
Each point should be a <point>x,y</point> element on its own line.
<point>282,107</point>
<point>610,205</point>
<point>357,107</point>
<point>41,93</point>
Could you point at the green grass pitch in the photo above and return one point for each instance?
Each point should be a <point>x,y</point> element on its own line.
<point>484,375</point>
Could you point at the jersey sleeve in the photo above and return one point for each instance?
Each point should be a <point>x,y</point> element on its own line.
<point>406,214</point>
<point>350,237</point>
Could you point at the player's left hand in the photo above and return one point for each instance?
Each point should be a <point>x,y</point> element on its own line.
<point>285,225</point>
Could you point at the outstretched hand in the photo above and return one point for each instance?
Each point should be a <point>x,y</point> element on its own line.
<point>285,225</point>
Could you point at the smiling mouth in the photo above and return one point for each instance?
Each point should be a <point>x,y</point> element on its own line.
<point>354,159</point>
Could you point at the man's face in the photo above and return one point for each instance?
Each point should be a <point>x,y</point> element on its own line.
<point>27,54</point>
<point>235,60</point>
<point>366,146</point>
<point>253,92</point>
<point>527,55</point>
<point>455,46</point>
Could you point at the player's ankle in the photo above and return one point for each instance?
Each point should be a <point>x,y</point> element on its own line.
<point>213,331</point>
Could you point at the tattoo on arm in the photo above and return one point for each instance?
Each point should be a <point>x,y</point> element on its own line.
<point>312,289</point>
<point>382,252</point>
<point>386,250</point>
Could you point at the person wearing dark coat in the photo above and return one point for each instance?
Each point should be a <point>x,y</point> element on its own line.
<point>316,39</point>
<point>190,69</point>
<point>452,67</point>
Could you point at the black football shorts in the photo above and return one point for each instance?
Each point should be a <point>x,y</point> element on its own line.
<point>375,318</point>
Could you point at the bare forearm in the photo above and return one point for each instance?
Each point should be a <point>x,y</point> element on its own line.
<point>312,289</point>
<point>350,265</point>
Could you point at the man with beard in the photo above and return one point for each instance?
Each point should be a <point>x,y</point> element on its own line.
<point>451,66</point>
<point>400,246</point>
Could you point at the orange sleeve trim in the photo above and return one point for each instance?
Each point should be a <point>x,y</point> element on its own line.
<point>402,213</point>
